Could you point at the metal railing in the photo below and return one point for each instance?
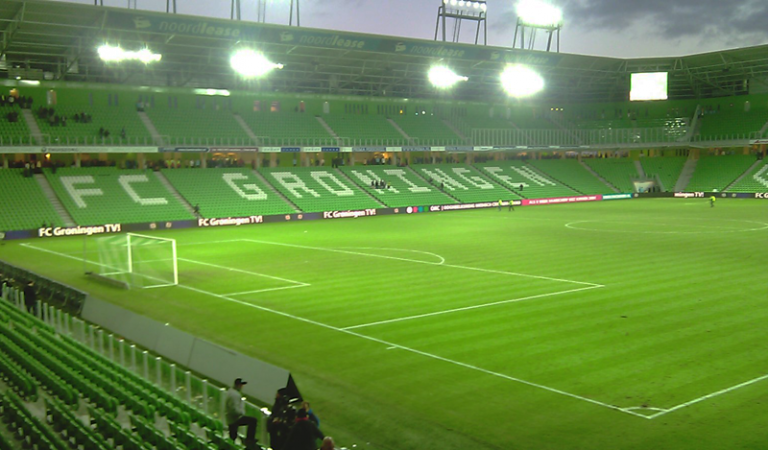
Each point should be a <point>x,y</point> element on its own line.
<point>198,392</point>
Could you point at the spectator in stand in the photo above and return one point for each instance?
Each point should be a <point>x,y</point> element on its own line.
<point>328,444</point>
<point>304,434</point>
<point>279,421</point>
<point>235,408</point>
<point>30,297</point>
<point>311,414</point>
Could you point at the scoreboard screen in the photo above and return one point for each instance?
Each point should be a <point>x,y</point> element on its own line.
<point>648,86</point>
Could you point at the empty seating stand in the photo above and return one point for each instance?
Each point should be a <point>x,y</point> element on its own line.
<point>100,195</point>
<point>717,172</point>
<point>571,173</point>
<point>32,354</point>
<point>407,188</point>
<point>525,180</point>
<point>315,189</point>
<point>23,203</point>
<point>227,192</point>
<point>465,183</point>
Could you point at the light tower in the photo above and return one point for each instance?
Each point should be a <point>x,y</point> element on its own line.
<point>458,10</point>
<point>536,15</point>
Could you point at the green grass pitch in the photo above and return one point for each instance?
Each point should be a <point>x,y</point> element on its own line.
<point>636,324</point>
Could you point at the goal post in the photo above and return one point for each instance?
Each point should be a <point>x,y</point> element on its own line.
<point>137,260</point>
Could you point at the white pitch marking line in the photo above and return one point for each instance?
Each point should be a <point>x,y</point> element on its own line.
<point>712,395</point>
<point>231,294</point>
<point>442,260</point>
<point>501,272</point>
<point>393,346</point>
<point>389,345</point>
<point>243,271</point>
<point>467,308</point>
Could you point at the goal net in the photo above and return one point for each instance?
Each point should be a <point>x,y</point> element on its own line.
<point>138,261</point>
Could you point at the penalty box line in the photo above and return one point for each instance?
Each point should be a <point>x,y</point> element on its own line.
<point>294,283</point>
<point>627,410</point>
<point>380,341</point>
<point>442,264</point>
<point>467,308</point>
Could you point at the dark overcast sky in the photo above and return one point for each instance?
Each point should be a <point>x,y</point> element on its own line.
<point>623,28</point>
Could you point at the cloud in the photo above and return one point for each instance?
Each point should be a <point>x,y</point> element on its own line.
<point>733,21</point>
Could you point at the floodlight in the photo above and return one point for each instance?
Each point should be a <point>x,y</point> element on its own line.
<point>109,53</point>
<point>539,13</point>
<point>249,63</point>
<point>521,81</point>
<point>442,77</point>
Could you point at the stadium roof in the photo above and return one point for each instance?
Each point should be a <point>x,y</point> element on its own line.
<point>54,40</point>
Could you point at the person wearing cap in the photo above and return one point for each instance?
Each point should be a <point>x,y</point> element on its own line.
<point>235,412</point>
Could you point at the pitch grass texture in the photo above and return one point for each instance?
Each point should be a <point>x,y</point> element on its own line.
<point>635,324</point>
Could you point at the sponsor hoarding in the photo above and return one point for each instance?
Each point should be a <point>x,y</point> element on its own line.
<point>560,200</point>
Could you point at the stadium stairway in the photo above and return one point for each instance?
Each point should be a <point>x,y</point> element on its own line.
<point>34,129</point>
<point>275,191</point>
<point>151,127</point>
<point>614,188</point>
<point>686,174</point>
<point>399,130</point>
<point>239,119</point>
<point>51,196</point>
<point>454,129</point>
<point>639,168</point>
<point>348,178</point>
<point>746,172</point>
<point>327,128</point>
<point>164,181</point>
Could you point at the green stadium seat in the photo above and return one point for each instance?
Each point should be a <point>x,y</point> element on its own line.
<point>515,174</point>
<point>717,172</point>
<point>101,195</point>
<point>227,192</point>
<point>407,187</point>
<point>315,189</point>
<point>24,204</point>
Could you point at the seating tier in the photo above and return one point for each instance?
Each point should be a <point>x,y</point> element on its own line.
<point>525,180</point>
<point>13,133</point>
<point>23,206</point>
<point>99,195</point>
<point>227,192</point>
<point>110,118</point>
<point>427,130</point>
<point>465,183</point>
<point>755,181</point>
<point>571,173</point>
<point>199,126</point>
<point>287,129</point>
<point>364,130</point>
<point>667,168</point>
<point>618,172</point>
<point>717,172</point>
<point>315,189</point>
<point>407,187</point>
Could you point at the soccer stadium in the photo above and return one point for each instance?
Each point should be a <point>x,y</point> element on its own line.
<point>553,251</point>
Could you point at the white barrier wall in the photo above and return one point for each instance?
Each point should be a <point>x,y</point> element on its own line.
<point>211,360</point>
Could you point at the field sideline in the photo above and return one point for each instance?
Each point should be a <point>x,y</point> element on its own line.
<point>621,325</point>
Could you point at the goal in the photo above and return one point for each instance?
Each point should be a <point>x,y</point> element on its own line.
<point>138,261</point>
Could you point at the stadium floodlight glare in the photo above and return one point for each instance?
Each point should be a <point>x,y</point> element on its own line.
<point>539,13</point>
<point>249,63</point>
<point>108,53</point>
<point>442,77</point>
<point>521,81</point>
<point>467,4</point>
